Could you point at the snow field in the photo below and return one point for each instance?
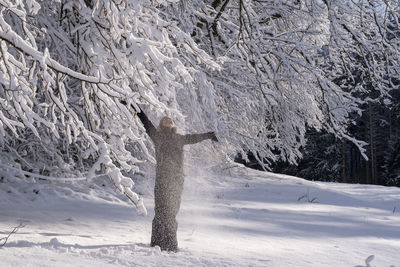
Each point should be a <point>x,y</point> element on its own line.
<point>240,217</point>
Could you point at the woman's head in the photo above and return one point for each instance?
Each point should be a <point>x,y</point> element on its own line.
<point>167,124</point>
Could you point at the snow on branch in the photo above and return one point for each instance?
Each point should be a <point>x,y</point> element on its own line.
<point>7,34</point>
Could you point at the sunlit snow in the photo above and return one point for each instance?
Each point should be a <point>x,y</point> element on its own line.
<point>240,217</point>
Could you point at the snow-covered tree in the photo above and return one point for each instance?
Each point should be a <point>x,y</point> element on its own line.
<point>362,58</point>
<point>272,86</point>
<point>65,67</point>
<point>249,69</point>
<point>283,60</point>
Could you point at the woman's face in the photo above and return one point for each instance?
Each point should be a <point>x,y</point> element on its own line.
<point>167,122</point>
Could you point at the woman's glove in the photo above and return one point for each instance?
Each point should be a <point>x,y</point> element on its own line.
<point>212,136</point>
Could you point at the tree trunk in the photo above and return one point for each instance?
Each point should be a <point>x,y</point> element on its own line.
<point>372,144</point>
<point>344,175</point>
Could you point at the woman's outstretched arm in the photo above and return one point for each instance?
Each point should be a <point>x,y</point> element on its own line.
<point>196,138</point>
<point>148,125</point>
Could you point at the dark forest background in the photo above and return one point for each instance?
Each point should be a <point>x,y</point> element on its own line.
<point>327,158</point>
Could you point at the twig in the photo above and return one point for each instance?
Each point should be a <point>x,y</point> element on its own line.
<point>5,239</point>
<point>307,197</point>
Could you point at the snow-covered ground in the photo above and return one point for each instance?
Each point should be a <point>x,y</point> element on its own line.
<point>240,218</point>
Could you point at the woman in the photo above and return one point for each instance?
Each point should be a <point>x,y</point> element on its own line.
<point>169,178</point>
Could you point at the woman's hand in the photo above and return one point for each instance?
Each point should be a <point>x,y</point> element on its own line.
<point>213,137</point>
